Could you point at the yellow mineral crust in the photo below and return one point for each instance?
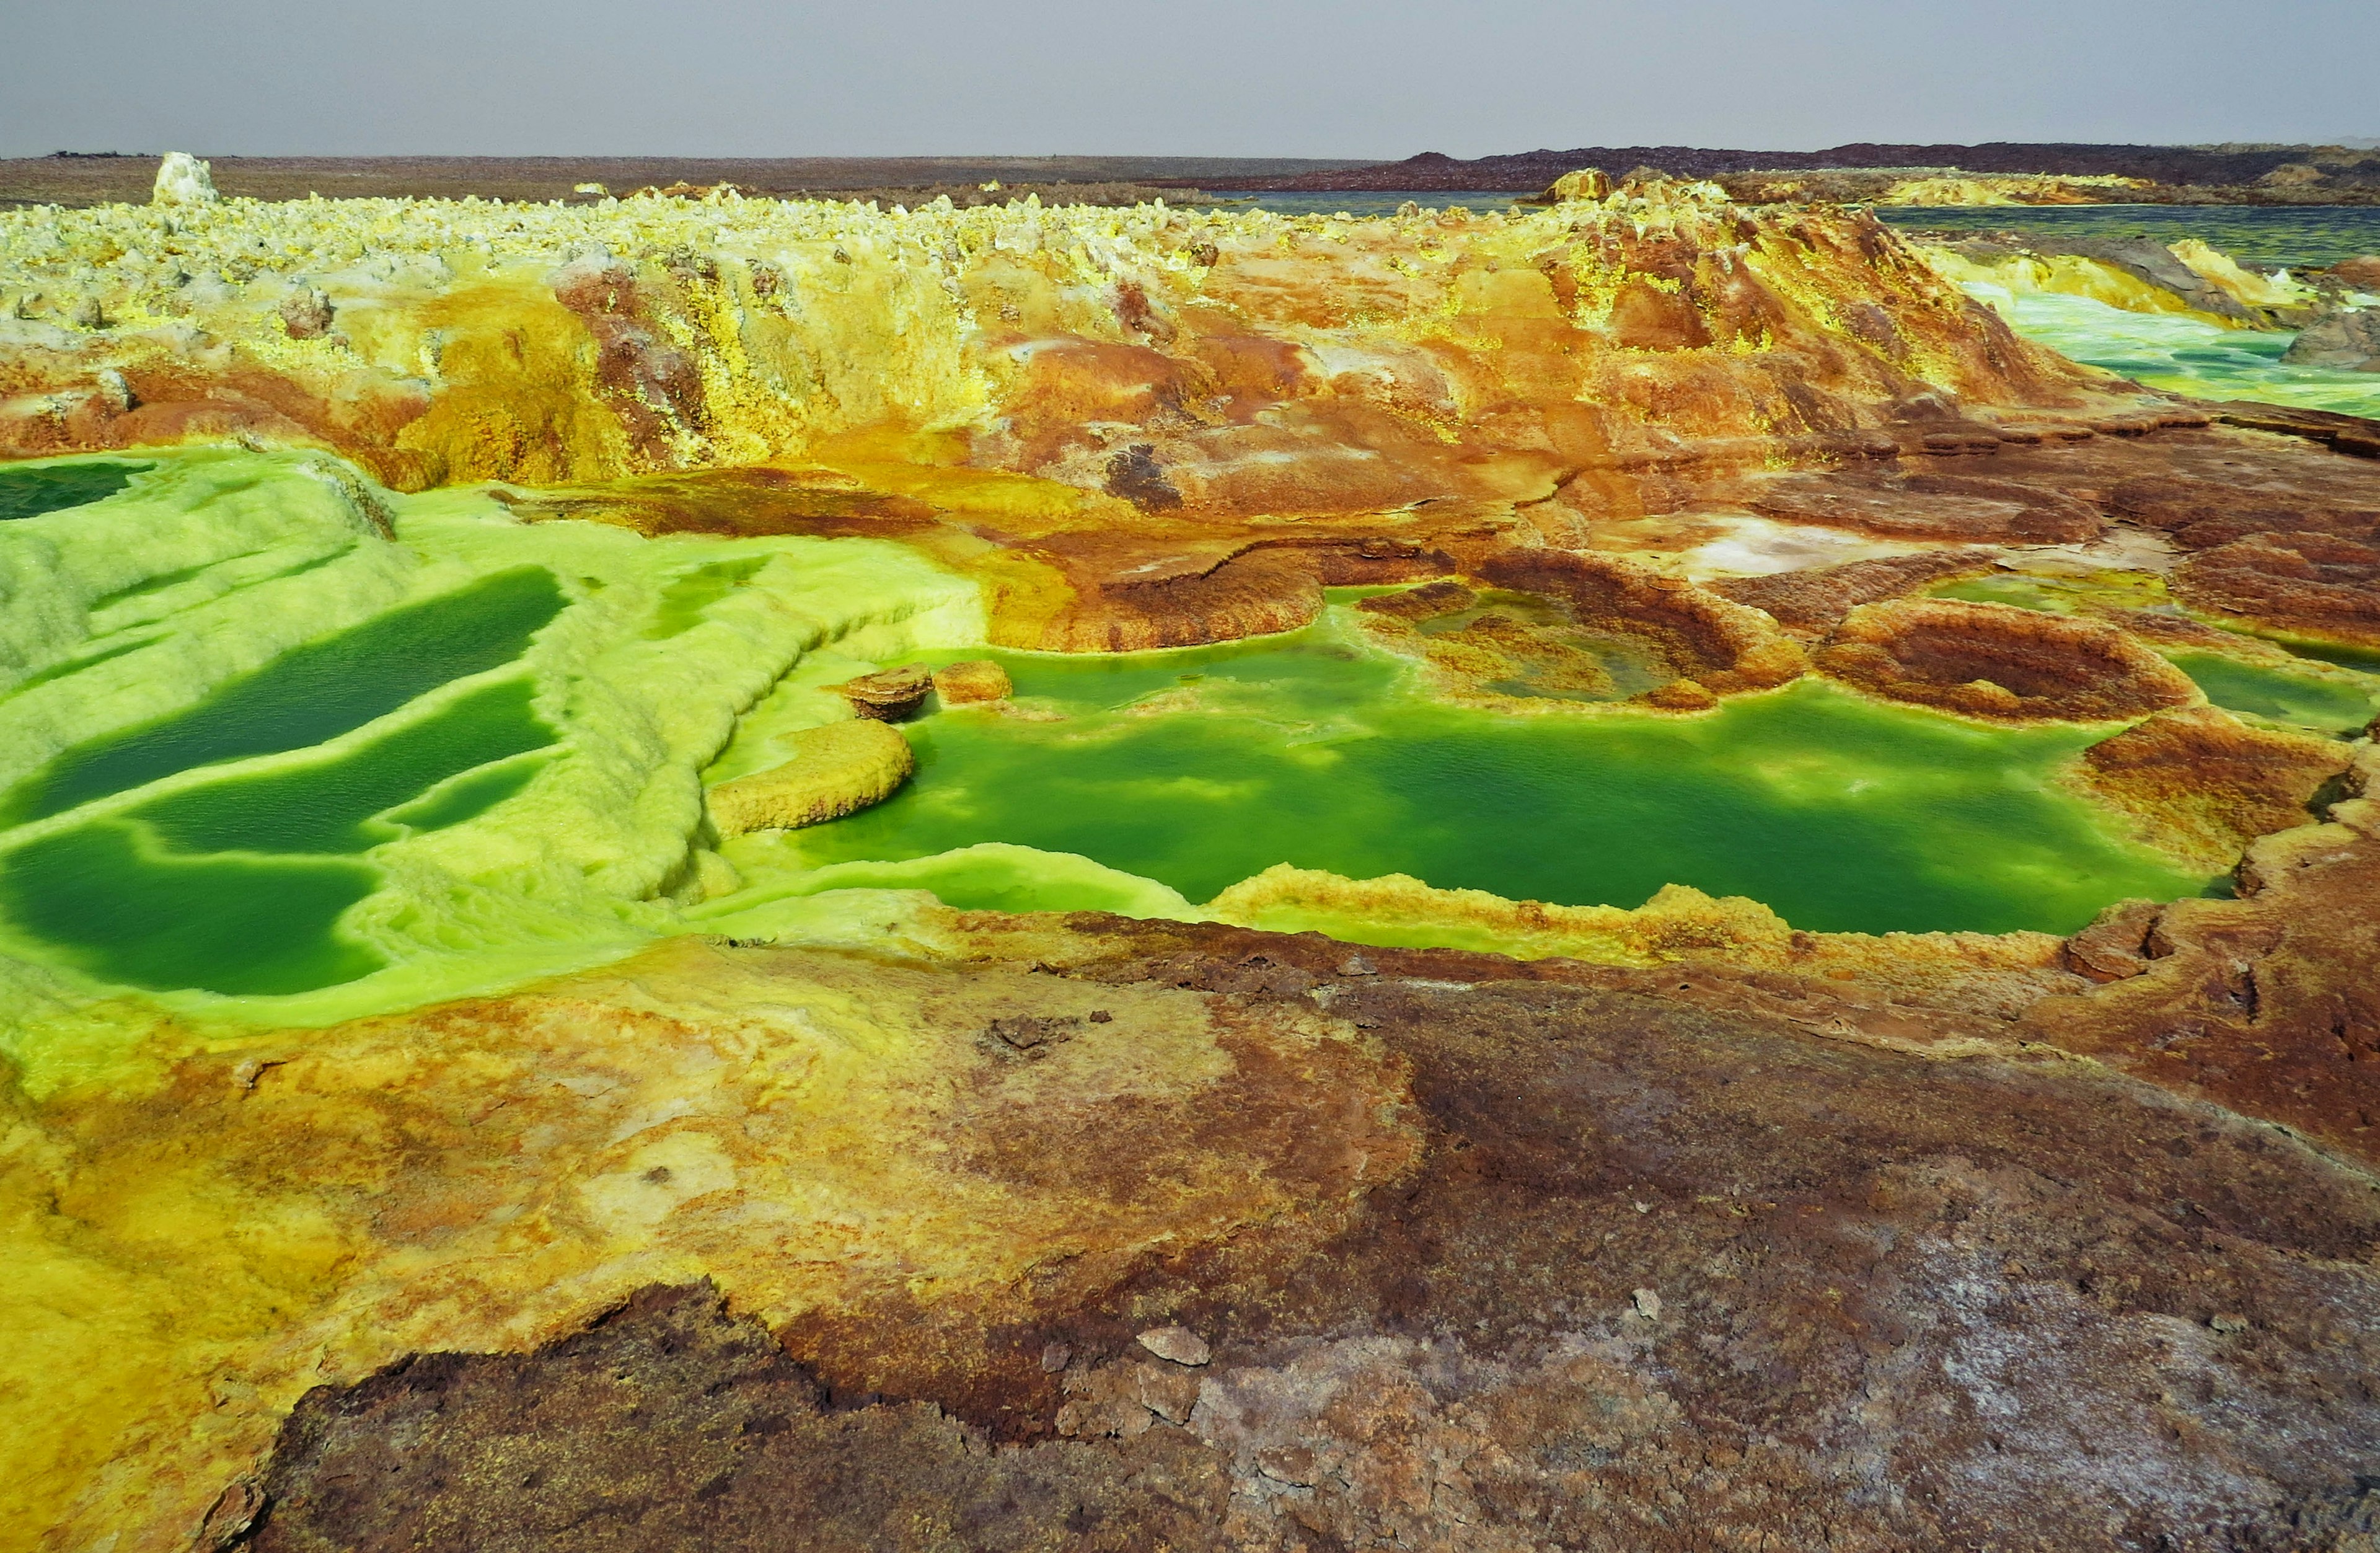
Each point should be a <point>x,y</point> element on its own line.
<point>1270,363</point>
<point>972,680</point>
<point>820,1133</point>
<point>2003,189</point>
<point>1134,428</point>
<point>836,769</point>
<point>1678,923</point>
<point>2263,300</point>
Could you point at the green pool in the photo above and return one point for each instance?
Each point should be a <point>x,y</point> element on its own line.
<point>1200,768</point>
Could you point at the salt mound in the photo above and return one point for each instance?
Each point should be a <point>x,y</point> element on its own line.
<point>183,180</point>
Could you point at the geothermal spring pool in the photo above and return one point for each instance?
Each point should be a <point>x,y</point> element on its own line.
<point>1598,840</point>
<point>477,747</point>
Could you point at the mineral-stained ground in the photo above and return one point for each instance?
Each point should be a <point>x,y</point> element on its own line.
<point>447,1107</point>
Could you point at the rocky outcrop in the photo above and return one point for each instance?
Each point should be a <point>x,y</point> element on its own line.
<point>836,770</point>
<point>2313,584</point>
<point>888,696</point>
<point>1240,404</point>
<point>971,681</point>
<point>2265,1005</point>
<point>2204,784</point>
<point>2344,341</point>
<point>1813,600</point>
<point>183,180</point>
<point>1719,644</point>
<point>1989,660</point>
<point>1925,505</point>
<point>2137,275</point>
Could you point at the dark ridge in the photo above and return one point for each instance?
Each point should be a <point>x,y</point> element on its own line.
<point>1532,170</point>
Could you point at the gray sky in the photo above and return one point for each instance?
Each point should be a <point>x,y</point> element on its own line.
<point>1282,78</point>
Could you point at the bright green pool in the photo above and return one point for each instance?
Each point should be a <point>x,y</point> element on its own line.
<point>1200,768</point>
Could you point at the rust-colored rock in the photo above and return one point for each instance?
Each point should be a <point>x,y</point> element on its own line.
<point>2204,784</point>
<point>1897,504</point>
<point>1990,660</point>
<point>2266,1005</point>
<point>1422,603</point>
<point>1722,645</point>
<point>2201,513</point>
<point>2313,584</point>
<point>1816,598</point>
<point>1838,1240</point>
<point>888,694</point>
<point>2116,944</point>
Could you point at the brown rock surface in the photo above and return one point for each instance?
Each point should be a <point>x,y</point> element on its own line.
<point>2266,1005</point>
<point>1903,1303</point>
<point>2204,784</point>
<point>1758,1238</point>
<point>1900,504</point>
<point>2341,340</point>
<point>2313,584</point>
<point>1718,644</point>
<point>1990,660</point>
<point>888,694</point>
<point>1814,599</point>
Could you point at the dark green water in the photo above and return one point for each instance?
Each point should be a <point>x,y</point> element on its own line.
<point>467,797</point>
<point>312,693</point>
<point>2265,237</point>
<point>240,925</point>
<point>227,887</point>
<point>28,492</point>
<point>1840,813</point>
<point>328,805</point>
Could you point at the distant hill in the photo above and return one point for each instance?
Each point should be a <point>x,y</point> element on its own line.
<point>93,178</point>
<point>1528,171</point>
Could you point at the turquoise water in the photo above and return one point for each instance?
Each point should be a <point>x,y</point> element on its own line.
<point>2184,355</point>
<point>1840,813</point>
<point>30,491</point>
<point>1373,203</point>
<point>2265,237</point>
<point>313,693</point>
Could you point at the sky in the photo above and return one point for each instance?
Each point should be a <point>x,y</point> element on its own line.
<point>1209,77</point>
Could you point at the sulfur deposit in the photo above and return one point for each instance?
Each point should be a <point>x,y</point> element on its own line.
<point>839,767</point>
<point>704,872</point>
